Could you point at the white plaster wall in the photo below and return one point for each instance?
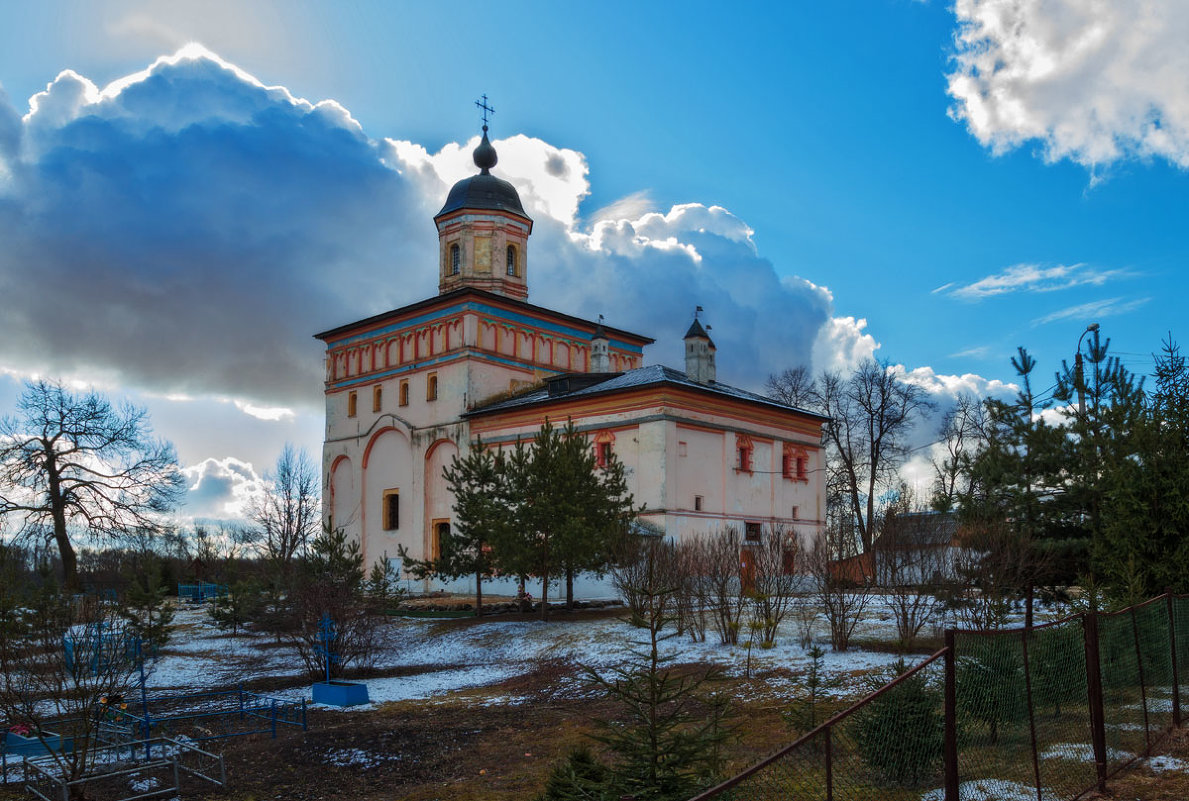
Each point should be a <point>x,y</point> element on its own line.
<point>389,466</point>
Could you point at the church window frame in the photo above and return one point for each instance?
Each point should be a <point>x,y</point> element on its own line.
<point>431,387</point>
<point>752,531</point>
<point>377,398</point>
<point>511,261</point>
<point>390,510</point>
<point>744,449</point>
<point>699,503</point>
<point>604,451</point>
<point>794,463</point>
<point>437,527</point>
<point>455,259</point>
<point>352,403</point>
<point>403,393</point>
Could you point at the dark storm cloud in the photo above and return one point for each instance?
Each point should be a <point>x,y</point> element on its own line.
<point>187,229</point>
<point>193,231</point>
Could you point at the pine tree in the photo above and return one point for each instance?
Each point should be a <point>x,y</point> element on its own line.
<point>669,745</point>
<point>147,612</point>
<point>233,609</point>
<point>571,513</point>
<point>483,516</point>
<point>1145,489</point>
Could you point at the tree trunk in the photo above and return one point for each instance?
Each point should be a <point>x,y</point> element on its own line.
<point>569,588</point>
<point>478,593</point>
<point>1029,597</point>
<point>61,537</point>
<point>545,596</point>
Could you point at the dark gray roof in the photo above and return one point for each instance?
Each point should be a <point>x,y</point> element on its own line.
<point>918,529</point>
<point>696,330</point>
<point>484,192</point>
<point>651,375</point>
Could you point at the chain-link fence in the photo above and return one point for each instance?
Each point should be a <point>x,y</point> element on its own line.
<point>1046,713</point>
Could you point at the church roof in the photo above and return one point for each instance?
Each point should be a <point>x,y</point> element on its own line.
<point>696,330</point>
<point>483,296</point>
<point>652,375</point>
<point>483,192</point>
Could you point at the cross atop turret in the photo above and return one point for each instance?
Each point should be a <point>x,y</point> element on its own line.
<point>486,109</point>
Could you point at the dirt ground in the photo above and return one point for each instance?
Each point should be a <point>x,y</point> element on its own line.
<point>473,745</point>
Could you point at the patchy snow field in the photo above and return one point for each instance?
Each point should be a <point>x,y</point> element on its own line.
<point>435,656</point>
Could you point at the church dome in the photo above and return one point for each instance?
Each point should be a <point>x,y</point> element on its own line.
<point>484,191</point>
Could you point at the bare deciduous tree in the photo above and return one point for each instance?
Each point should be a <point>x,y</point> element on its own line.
<point>74,466</point>
<point>914,560</point>
<point>722,582</point>
<point>794,386</point>
<point>287,515</point>
<point>773,580</point>
<point>45,695</point>
<point>871,413</point>
<point>841,596</point>
<point>963,432</point>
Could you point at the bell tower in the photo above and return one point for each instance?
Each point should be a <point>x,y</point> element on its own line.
<point>483,231</point>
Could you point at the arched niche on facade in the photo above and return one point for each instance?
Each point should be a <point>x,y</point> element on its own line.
<point>439,503</point>
<point>344,496</point>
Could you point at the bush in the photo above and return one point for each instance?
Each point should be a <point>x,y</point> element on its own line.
<point>578,777</point>
<point>902,732</point>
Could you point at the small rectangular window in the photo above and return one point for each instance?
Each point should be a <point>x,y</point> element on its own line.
<point>796,513</point>
<point>682,449</point>
<point>751,532</point>
<point>377,398</point>
<point>603,454</point>
<point>404,393</point>
<point>431,387</point>
<point>697,503</point>
<point>745,459</point>
<point>786,465</point>
<point>352,403</point>
<point>391,510</point>
<point>802,467</point>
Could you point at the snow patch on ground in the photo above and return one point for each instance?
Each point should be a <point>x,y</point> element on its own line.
<point>1166,764</point>
<point>992,790</point>
<point>357,758</point>
<point>1081,752</point>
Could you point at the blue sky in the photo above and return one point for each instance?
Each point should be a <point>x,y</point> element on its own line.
<point>963,178</point>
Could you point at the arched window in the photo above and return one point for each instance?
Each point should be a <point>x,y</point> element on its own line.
<point>455,259</point>
<point>511,260</point>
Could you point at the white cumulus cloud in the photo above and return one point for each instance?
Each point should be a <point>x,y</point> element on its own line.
<point>1092,81</point>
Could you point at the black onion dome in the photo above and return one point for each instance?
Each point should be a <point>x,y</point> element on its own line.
<point>484,191</point>
<point>485,156</point>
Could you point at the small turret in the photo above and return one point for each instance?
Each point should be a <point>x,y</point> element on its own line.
<point>699,353</point>
<point>600,350</point>
<point>483,231</point>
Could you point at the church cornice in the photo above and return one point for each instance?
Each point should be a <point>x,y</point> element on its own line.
<point>402,316</point>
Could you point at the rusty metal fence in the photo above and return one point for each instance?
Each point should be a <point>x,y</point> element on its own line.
<point>1047,713</point>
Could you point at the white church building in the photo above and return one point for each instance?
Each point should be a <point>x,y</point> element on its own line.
<point>410,389</point>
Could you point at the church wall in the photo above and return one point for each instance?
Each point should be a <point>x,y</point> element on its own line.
<point>388,466</point>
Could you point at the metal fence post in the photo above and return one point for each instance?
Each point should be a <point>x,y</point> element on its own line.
<point>304,725</point>
<point>1031,713</point>
<point>1172,645</point>
<point>950,747</point>
<point>829,763</point>
<point>1143,684</point>
<point>1094,691</point>
<point>274,719</point>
